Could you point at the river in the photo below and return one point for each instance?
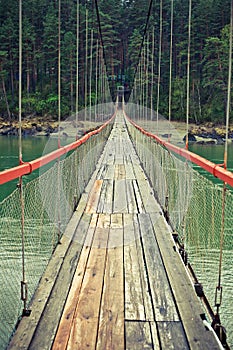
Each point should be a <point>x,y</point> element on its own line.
<point>33,147</point>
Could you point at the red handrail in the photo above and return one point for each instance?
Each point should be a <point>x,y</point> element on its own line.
<point>28,167</point>
<point>212,168</point>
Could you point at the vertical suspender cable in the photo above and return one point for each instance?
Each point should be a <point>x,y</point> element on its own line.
<point>23,282</point>
<point>59,119</point>
<point>229,87</point>
<point>59,72</point>
<point>91,59</point>
<point>77,68</point>
<point>96,77</point>
<point>188,73</point>
<point>152,72</point>
<point>218,298</point>
<point>147,75</point>
<point>143,39</point>
<point>143,82</point>
<point>86,63</point>
<point>20,81</point>
<point>170,68</point>
<point>159,63</point>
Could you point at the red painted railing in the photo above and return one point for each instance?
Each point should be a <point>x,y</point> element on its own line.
<point>28,167</point>
<point>212,168</point>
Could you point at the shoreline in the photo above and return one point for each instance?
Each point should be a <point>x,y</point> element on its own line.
<point>206,133</point>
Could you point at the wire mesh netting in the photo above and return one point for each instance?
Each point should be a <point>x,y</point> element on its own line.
<point>49,201</point>
<point>194,206</point>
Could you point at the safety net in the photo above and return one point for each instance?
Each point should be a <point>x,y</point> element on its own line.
<point>194,206</point>
<point>48,202</point>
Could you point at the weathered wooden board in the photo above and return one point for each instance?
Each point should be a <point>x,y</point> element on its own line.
<point>27,326</point>
<point>164,305</point>
<point>147,297</point>
<point>110,172</point>
<point>108,202</point>
<point>111,320</point>
<point>172,336</point>
<point>120,172</point>
<point>85,325</point>
<point>63,331</point>
<point>120,199</point>
<point>189,307</point>
<point>46,329</point>
<point>93,200</point>
<point>134,302</point>
<point>147,194</point>
<point>131,197</point>
<point>138,197</point>
<point>138,335</point>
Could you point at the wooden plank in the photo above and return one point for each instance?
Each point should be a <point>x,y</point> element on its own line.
<point>131,199</point>
<point>120,199</point>
<point>129,173</point>
<point>134,302</point>
<point>155,336</point>
<point>111,323</point>
<point>139,202</point>
<point>172,336</point>
<point>147,298</point>
<point>102,198</point>
<point>119,172</point>
<point>84,328</point>
<point>27,325</point>
<point>164,305</point>
<point>63,332</point>
<point>147,194</point>
<point>187,302</point>
<point>110,172</point>
<point>94,196</point>
<point>46,329</point>
<point>138,336</point>
<point>108,203</point>
<point>119,158</point>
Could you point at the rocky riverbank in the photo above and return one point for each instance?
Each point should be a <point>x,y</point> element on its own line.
<point>30,127</point>
<point>45,127</point>
<point>207,133</point>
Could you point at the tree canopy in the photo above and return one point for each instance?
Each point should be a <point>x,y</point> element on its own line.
<point>122,27</point>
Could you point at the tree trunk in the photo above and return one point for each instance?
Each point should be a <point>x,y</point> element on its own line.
<point>71,86</point>
<point>5,96</point>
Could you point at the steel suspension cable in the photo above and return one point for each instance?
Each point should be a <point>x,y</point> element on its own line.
<point>143,39</point>
<point>218,293</point>
<point>101,36</point>
<point>86,64</point>
<point>91,59</point>
<point>188,73</point>
<point>23,281</point>
<point>152,71</point>
<point>170,67</point>
<point>147,75</point>
<point>77,67</point>
<point>59,121</point>
<point>96,77</point>
<point>159,63</point>
<point>229,88</point>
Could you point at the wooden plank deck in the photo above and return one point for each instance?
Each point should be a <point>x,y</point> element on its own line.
<point>116,281</point>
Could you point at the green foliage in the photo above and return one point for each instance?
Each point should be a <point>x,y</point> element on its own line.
<point>122,24</point>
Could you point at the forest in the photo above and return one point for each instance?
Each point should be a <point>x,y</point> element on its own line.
<point>122,24</point>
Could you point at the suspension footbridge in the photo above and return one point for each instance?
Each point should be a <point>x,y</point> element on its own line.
<point>117,280</point>
<point>117,242</point>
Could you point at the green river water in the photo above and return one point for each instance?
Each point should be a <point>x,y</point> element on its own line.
<point>34,147</point>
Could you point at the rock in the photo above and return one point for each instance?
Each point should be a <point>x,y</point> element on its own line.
<point>191,138</point>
